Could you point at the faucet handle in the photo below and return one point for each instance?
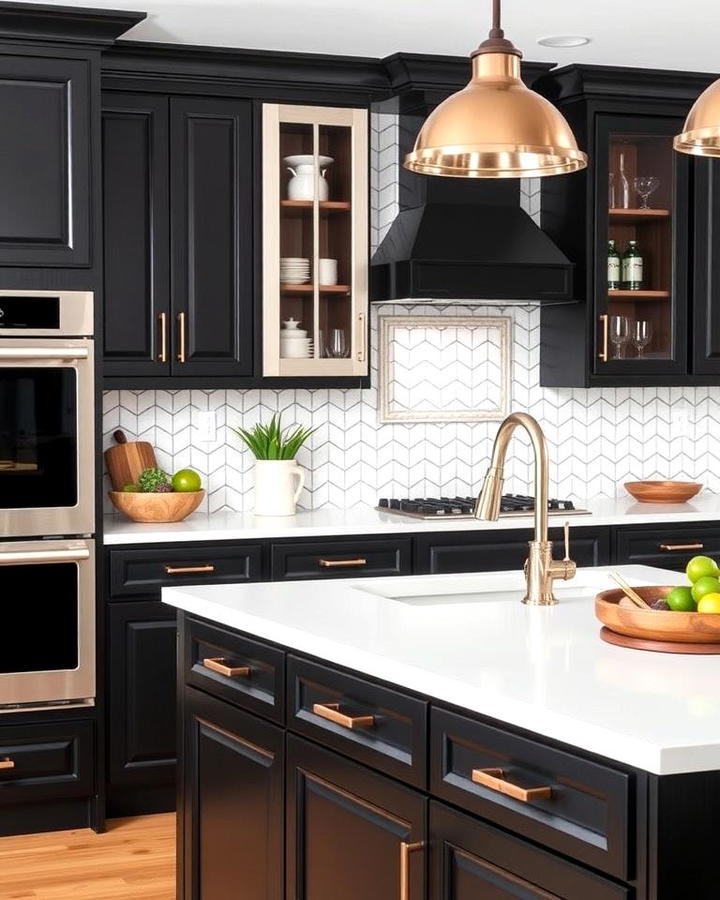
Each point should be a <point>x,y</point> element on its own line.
<point>566,529</point>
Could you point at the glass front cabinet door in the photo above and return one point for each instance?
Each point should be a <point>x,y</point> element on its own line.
<point>642,249</point>
<point>315,241</point>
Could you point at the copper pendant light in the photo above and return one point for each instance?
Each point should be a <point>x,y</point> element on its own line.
<point>701,134</point>
<point>495,127</point>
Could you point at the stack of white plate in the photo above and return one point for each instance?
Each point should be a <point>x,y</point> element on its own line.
<point>294,270</point>
<point>295,344</point>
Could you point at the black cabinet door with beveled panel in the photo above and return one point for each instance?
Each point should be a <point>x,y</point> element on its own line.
<point>705,345</point>
<point>136,222</point>
<point>211,181</point>
<point>45,161</point>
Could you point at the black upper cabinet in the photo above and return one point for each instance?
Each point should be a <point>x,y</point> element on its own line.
<point>45,161</point>
<point>211,187</point>
<point>626,120</point>
<point>136,234</point>
<point>178,237</point>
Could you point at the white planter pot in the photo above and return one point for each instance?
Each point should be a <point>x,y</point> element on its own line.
<point>278,485</point>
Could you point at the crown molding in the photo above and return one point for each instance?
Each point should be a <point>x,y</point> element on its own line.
<point>64,24</point>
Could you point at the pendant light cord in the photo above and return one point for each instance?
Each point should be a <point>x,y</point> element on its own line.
<point>496,30</point>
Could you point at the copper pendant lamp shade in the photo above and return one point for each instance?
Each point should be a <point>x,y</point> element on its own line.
<point>701,135</point>
<point>496,127</point>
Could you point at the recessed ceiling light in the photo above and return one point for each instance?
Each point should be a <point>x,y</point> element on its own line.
<point>564,40</point>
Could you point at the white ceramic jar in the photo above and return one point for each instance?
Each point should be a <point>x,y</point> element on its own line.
<point>302,185</point>
<point>278,485</point>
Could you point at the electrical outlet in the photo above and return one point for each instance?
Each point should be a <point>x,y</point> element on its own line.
<point>205,426</point>
<point>682,418</point>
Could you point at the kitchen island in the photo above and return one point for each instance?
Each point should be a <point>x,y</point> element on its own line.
<point>433,737</point>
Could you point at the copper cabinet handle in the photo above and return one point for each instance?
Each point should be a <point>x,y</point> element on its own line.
<point>496,781</point>
<point>361,350</point>
<point>342,563</point>
<point>7,763</point>
<point>181,337</point>
<point>405,851</point>
<point>331,712</point>
<point>669,548</point>
<point>188,570</point>
<point>603,354</point>
<point>217,664</point>
<point>162,356</point>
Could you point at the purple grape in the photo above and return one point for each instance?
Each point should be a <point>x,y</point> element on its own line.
<point>660,605</point>
<point>164,489</point>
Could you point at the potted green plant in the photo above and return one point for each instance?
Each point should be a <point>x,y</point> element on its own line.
<point>279,480</point>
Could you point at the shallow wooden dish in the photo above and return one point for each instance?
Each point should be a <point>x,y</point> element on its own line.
<point>676,627</point>
<point>156,507</point>
<point>662,491</point>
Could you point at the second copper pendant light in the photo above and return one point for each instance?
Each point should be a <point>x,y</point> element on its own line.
<point>496,127</point>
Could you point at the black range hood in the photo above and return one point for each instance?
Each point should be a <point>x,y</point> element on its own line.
<point>465,239</point>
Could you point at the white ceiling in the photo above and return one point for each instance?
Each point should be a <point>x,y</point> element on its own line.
<point>646,33</point>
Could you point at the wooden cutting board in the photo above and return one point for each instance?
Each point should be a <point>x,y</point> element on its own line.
<point>127,460</point>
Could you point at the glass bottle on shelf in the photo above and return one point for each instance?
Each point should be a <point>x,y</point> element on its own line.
<point>613,267</point>
<point>632,267</point>
<point>624,185</point>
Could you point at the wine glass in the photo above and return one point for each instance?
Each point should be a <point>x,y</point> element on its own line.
<point>612,201</point>
<point>641,336</point>
<point>337,347</point>
<point>645,185</point>
<point>619,335</point>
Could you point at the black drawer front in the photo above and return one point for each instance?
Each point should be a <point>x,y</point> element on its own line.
<point>375,725</point>
<point>134,572</point>
<point>667,546</point>
<point>341,559</point>
<point>245,672</point>
<point>586,815</point>
<point>45,762</point>
<point>489,862</point>
<point>499,551</point>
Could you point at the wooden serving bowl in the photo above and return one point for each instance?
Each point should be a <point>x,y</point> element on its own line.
<point>653,625</point>
<point>156,507</point>
<point>662,491</point>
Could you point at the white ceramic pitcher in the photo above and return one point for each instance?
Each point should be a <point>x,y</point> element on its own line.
<point>278,485</point>
<point>302,185</point>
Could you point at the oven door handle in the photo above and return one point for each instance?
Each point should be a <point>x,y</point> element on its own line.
<point>19,557</point>
<point>60,353</point>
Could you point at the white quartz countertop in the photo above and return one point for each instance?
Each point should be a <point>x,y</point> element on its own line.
<point>225,526</point>
<point>541,669</point>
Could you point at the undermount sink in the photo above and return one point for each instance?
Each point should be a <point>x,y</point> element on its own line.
<point>438,590</point>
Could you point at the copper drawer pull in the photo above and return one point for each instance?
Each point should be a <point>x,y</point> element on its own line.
<point>669,548</point>
<point>181,337</point>
<point>603,354</point>
<point>162,357</point>
<point>7,763</point>
<point>217,664</point>
<point>188,570</point>
<point>496,781</point>
<point>331,712</point>
<point>342,563</point>
<point>405,851</point>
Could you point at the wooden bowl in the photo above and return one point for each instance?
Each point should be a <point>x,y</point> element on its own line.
<point>662,491</point>
<point>156,507</point>
<point>652,625</point>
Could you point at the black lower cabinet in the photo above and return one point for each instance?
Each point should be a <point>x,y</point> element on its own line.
<point>470,859</point>
<point>351,833</point>
<point>141,702</point>
<point>232,822</point>
<point>666,546</point>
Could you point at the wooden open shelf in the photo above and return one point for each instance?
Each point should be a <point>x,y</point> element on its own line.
<point>328,206</point>
<point>636,216</point>
<point>324,288</point>
<point>638,295</point>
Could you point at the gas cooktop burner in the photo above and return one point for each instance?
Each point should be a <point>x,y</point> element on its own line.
<point>462,507</point>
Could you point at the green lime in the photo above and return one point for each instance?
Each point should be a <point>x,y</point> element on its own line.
<point>704,586</point>
<point>680,599</point>
<point>130,489</point>
<point>702,567</point>
<point>186,481</point>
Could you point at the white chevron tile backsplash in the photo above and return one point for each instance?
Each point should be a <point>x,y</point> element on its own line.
<point>598,438</point>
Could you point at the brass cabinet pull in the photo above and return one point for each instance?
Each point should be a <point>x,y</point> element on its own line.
<point>361,349</point>
<point>188,570</point>
<point>162,356</point>
<point>181,337</point>
<point>670,548</point>
<point>342,563</point>
<point>603,354</point>
<point>7,763</point>
<point>496,781</point>
<point>405,851</point>
<point>218,664</point>
<point>331,712</point>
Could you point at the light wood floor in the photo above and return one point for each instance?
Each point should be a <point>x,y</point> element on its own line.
<point>134,859</point>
